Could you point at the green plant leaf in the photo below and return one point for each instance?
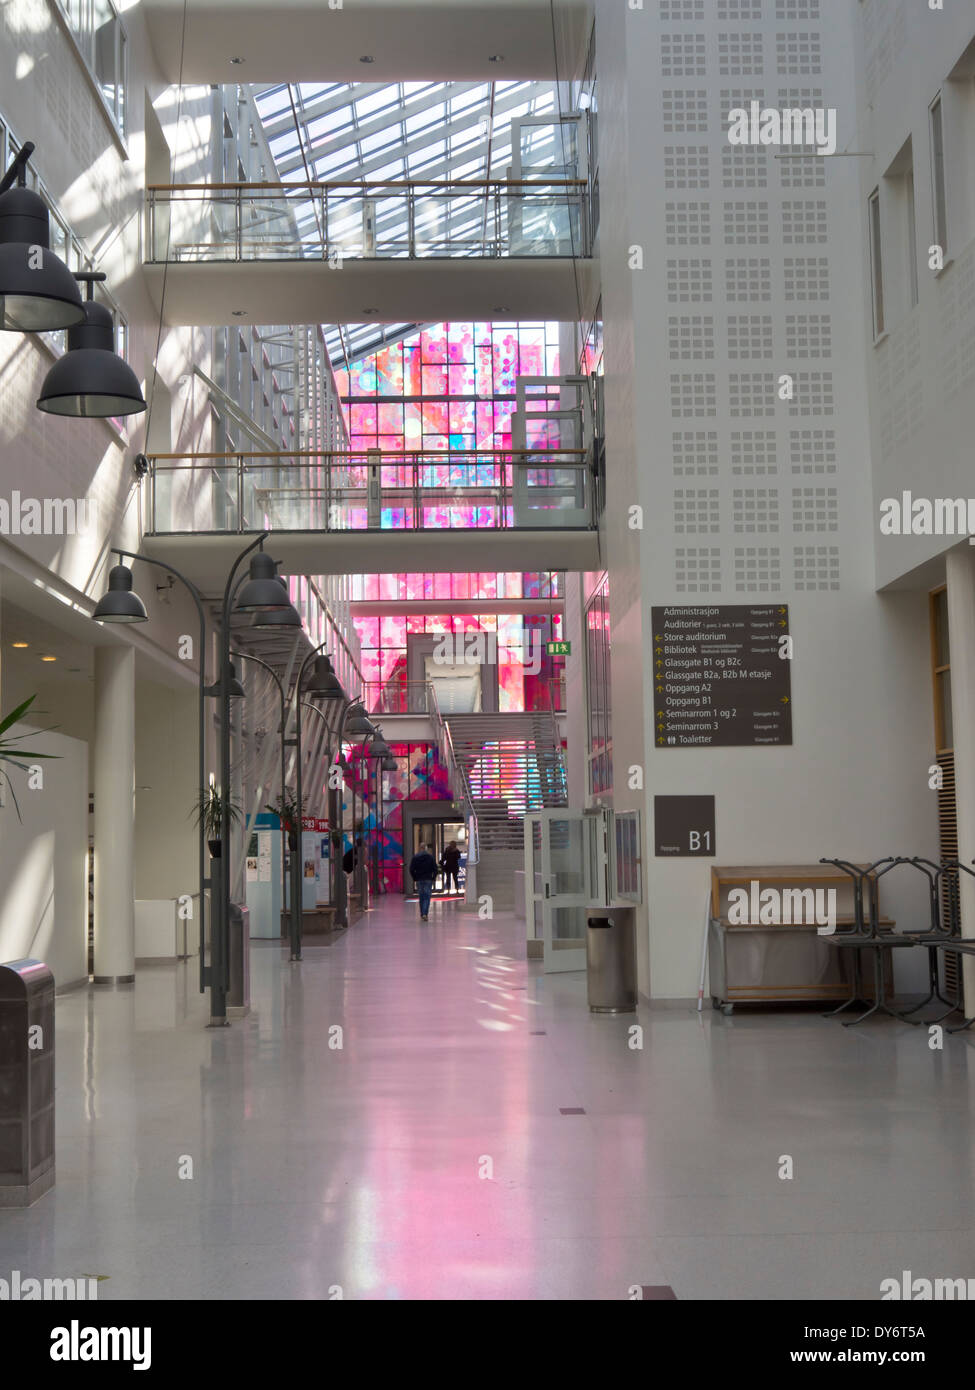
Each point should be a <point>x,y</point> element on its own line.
<point>15,715</point>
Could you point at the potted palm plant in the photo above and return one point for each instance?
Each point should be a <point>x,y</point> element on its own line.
<point>211,812</point>
<point>11,755</point>
<point>287,812</point>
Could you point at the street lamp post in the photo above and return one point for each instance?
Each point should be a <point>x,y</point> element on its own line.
<point>261,592</point>
<point>296,881</point>
<point>121,605</point>
<point>246,656</point>
<point>355,721</point>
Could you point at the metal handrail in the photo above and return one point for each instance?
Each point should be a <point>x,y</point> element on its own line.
<point>455,770</point>
<point>260,220</point>
<point>338,488</point>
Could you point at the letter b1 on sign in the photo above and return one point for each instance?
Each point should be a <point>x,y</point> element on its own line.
<point>684,826</point>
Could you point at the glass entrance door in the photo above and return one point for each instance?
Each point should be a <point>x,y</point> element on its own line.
<point>557,856</point>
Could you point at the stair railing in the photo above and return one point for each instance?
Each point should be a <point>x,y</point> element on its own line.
<point>456,776</point>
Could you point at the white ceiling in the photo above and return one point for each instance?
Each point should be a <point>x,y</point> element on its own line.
<point>429,291</point>
<point>410,40</point>
<point>206,559</point>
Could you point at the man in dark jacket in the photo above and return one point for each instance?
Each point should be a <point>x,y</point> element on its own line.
<point>450,863</point>
<point>423,871</point>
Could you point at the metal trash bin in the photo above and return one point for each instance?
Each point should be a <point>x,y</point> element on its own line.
<point>611,959</point>
<point>26,1082</point>
<point>239,991</point>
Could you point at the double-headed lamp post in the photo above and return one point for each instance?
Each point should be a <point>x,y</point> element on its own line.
<point>262,592</point>
<point>325,684</point>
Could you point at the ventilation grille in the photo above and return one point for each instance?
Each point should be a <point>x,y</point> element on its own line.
<point>748,280</point>
<point>948,845</point>
<point>695,453</point>
<point>746,224</point>
<point>685,112</point>
<point>696,511</point>
<point>682,55</point>
<point>753,452</point>
<point>749,335</point>
<point>756,510</point>
<point>758,569</point>
<point>689,281</point>
<point>697,571</point>
<point>741,54</point>
<point>817,568</point>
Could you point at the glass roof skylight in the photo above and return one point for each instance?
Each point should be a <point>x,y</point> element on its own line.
<point>389,132</point>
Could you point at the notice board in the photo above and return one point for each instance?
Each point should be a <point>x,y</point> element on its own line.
<point>722,676</point>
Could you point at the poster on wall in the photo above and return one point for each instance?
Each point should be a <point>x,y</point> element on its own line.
<point>251,860</point>
<point>264,856</point>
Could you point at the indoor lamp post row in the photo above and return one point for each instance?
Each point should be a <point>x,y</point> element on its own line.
<point>264,595</point>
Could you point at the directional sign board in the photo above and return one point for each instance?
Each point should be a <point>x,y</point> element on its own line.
<point>722,677</point>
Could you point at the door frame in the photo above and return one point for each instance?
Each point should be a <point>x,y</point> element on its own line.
<point>540,901</point>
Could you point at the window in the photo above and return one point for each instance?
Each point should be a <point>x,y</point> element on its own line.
<point>938,176</point>
<point>876,264</point>
<point>98,32</point>
<point>911,216</point>
<point>599,700</point>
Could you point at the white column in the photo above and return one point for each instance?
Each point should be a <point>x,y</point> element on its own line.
<point>960,576</point>
<point>114,788</point>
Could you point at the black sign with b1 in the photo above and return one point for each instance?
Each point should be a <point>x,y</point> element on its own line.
<point>683,825</point>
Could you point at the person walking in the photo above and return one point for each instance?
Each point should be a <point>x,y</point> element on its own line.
<point>450,863</point>
<point>423,871</point>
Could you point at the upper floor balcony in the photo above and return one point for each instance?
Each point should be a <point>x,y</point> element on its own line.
<point>384,510</point>
<point>404,250</point>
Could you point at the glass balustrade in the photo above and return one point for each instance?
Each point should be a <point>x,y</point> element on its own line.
<point>337,222</point>
<point>370,491</point>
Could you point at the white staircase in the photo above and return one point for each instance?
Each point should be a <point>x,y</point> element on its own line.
<point>508,765</point>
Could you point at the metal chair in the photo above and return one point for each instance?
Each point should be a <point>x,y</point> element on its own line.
<point>943,904</point>
<point>867,935</point>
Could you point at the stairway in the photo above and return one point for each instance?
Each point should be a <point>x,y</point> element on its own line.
<point>512,764</point>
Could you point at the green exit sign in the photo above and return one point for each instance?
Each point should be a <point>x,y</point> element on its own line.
<point>558,648</point>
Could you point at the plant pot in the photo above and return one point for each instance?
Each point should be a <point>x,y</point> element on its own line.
<point>215,847</point>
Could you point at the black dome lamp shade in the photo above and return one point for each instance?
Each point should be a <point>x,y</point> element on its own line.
<point>263,591</point>
<point>120,604</point>
<point>37,290</point>
<point>278,618</point>
<point>91,380</point>
<point>357,723</point>
<point>324,682</point>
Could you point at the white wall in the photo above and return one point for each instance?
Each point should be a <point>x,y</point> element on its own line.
<point>166,775</point>
<point>43,856</point>
<point>850,783</point>
<point>922,374</point>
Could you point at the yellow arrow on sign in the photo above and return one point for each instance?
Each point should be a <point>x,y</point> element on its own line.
<point>784,700</point>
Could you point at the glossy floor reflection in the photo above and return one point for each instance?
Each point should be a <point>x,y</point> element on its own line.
<point>427,1155</point>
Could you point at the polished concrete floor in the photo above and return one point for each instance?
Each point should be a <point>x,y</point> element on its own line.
<point>429,1155</point>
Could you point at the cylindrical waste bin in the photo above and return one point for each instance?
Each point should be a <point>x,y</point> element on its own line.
<point>239,993</point>
<point>611,959</point>
<point>26,1082</point>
